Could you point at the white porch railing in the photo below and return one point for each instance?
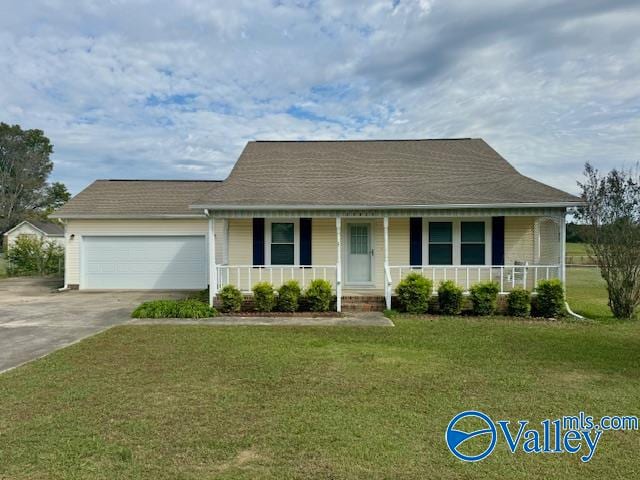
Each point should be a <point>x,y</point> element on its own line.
<point>244,277</point>
<point>507,276</point>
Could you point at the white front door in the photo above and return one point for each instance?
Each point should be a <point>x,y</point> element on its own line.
<point>359,253</point>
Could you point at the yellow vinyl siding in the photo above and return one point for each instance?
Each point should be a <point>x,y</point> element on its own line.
<point>518,240</point>
<point>398,242</point>
<point>549,242</point>
<point>323,241</point>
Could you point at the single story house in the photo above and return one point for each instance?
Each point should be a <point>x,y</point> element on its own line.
<point>51,231</point>
<point>361,214</point>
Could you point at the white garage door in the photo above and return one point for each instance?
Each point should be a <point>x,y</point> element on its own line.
<point>162,262</point>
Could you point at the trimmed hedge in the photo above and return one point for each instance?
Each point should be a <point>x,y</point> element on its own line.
<point>414,292</point>
<point>318,296</point>
<point>188,308</point>
<point>484,298</point>
<point>289,296</point>
<point>519,302</point>
<point>550,299</point>
<point>264,298</point>
<point>230,299</point>
<point>449,298</point>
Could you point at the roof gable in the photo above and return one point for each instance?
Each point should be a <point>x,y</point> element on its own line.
<point>52,229</point>
<point>377,173</point>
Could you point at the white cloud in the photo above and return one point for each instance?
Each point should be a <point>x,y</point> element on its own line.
<point>160,89</point>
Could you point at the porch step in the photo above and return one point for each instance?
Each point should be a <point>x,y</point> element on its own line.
<point>363,303</point>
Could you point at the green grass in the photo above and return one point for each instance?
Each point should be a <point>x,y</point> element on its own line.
<point>276,402</point>
<point>3,267</point>
<point>576,249</point>
<point>587,294</point>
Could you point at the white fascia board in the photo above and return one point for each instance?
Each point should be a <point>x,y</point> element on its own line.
<point>127,216</point>
<point>389,207</point>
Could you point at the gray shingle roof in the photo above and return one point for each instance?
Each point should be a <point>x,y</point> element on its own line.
<point>50,228</point>
<point>377,173</point>
<point>382,173</point>
<point>136,198</point>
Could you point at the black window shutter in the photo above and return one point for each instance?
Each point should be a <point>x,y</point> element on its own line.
<point>258,241</point>
<point>305,241</point>
<point>497,240</point>
<point>415,241</point>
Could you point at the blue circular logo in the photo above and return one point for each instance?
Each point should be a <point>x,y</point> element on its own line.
<point>456,438</point>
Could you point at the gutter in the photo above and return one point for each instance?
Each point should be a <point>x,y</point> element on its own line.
<point>389,207</point>
<point>142,216</point>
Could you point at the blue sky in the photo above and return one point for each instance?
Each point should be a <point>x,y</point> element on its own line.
<point>174,89</point>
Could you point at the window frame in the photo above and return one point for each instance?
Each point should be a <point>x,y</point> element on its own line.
<point>456,239</point>
<point>296,241</point>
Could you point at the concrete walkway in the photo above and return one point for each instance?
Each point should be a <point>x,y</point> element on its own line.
<point>369,319</point>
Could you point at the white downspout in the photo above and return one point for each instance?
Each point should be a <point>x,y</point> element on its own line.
<point>66,243</point>
<point>563,263</point>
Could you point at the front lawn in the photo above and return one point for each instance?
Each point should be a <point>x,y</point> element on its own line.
<point>315,402</point>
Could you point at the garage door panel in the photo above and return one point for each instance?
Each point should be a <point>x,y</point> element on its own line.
<point>154,262</point>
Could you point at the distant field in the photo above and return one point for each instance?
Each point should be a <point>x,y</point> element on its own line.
<point>576,249</point>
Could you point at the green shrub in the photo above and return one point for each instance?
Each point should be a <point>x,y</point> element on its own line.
<point>194,309</point>
<point>434,306</point>
<point>519,302</point>
<point>289,296</point>
<point>230,299</point>
<point>484,298</point>
<point>201,295</point>
<point>264,297</point>
<point>188,308</point>
<point>318,296</point>
<point>35,256</point>
<point>550,298</point>
<point>413,293</point>
<point>449,298</point>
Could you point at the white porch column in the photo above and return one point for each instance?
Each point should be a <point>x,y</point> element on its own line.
<point>338,264</point>
<point>213,269</point>
<point>387,286</point>
<point>563,249</point>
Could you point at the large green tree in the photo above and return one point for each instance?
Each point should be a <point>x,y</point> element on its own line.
<point>24,169</point>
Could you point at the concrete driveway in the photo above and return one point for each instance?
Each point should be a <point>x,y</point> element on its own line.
<point>36,319</point>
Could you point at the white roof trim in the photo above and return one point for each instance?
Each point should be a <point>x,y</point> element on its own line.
<point>139,216</point>
<point>391,207</point>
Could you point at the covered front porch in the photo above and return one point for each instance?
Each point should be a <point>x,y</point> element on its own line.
<point>366,253</point>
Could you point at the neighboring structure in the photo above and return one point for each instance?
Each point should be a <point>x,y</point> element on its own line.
<point>52,231</point>
<point>361,214</point>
